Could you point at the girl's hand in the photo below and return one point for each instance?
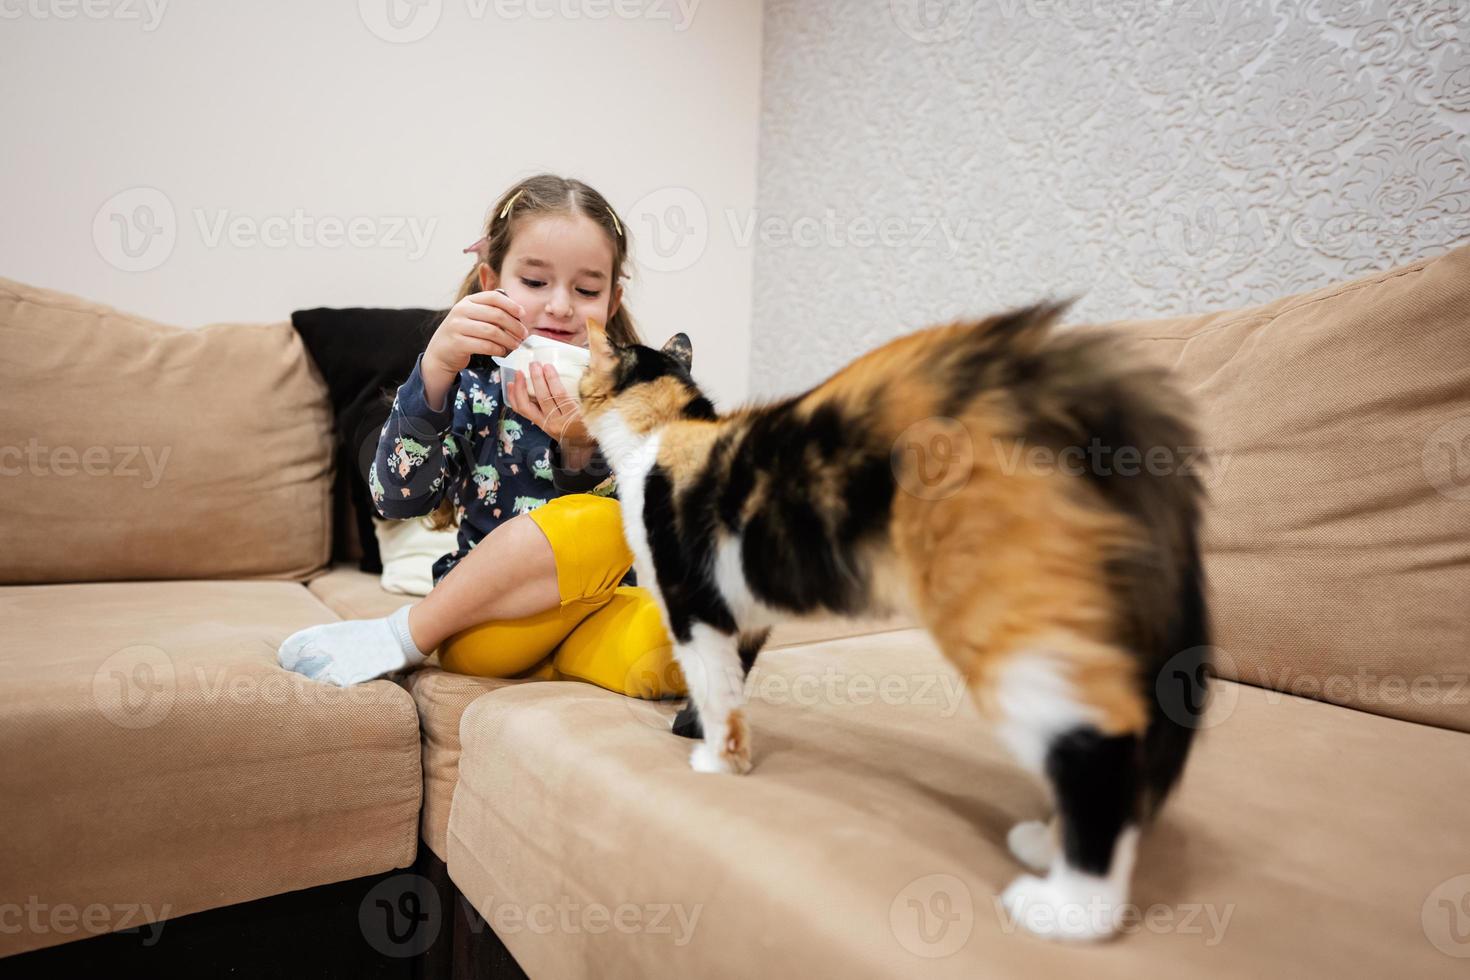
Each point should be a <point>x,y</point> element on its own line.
<point>482,323</point>
<point>544,400</point>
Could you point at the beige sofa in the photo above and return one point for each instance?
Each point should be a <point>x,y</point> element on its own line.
<point>155,761</point>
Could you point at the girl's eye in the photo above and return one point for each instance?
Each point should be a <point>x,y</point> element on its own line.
<point>532,283</point>
<point>590,293</point>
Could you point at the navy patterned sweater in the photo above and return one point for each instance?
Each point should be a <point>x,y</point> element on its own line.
<point>492,461</point>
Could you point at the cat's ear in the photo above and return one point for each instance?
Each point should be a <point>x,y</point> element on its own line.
<point>599,344</point>
<point>681,350</point>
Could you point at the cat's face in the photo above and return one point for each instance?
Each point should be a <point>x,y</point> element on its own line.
<point>645,387</point>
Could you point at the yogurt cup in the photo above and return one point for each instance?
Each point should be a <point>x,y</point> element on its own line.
<point>568,360</point>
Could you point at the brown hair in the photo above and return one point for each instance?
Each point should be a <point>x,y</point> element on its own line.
<point>543,194</point>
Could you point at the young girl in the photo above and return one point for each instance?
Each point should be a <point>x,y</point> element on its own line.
<point>541,583</point>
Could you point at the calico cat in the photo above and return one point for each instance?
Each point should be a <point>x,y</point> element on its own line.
<point>1058,591</point>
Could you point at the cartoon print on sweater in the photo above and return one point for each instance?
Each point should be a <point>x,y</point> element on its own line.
<point>482,402</point>
<point>541,465</point>
<point>487,482</point>
<point>524,505</point>
<point>407,454</point>
<point>510,431</point>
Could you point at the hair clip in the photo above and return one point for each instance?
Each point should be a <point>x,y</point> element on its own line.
<point>616,223</point>
<point>479,246</point>
<point>506,210</point>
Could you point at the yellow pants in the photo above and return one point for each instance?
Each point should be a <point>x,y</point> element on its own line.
<point>602,633</point>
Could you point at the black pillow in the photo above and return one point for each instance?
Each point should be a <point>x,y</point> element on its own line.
<point>364,355</point>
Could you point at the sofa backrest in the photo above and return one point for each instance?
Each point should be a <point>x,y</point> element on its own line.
<point>134,450</point>
<point>1338,534</point>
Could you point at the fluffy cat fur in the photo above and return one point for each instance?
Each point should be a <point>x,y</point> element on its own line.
<point>1059,593</point>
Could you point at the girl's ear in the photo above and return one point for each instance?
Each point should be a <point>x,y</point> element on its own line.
<point>488,279</point>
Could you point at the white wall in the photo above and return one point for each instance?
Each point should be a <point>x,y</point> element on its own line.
<point>925,159</point>
<point>182,115</point>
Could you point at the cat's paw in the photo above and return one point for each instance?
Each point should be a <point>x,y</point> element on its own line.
<point>1066,910</point>
<point>1032,844</point>
<point>707,759</point>
<point>730,754</point>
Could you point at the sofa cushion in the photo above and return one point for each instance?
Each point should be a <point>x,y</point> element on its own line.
<point>134,450</point>
<point>154,757</point>
<point>869,840</point>
<point>1335,541</point>
<point>442,697</point>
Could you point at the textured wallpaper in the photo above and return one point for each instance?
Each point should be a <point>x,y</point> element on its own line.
<point>924,159</point>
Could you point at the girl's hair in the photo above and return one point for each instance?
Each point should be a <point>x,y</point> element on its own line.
<point>548,194</point>
<point>543,194</point>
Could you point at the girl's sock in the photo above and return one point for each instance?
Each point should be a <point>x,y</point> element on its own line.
<point>353,651</point>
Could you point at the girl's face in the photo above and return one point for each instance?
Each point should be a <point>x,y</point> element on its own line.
<point>559,268</point>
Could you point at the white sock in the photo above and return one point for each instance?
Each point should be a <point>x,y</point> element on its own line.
<point>353,651</point>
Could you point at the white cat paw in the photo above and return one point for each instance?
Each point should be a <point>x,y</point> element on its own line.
<point>1066,911</point>
<point>706,759</point>
<point>1032,844</point>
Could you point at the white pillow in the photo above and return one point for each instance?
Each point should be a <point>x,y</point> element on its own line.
<point>409,550</point>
